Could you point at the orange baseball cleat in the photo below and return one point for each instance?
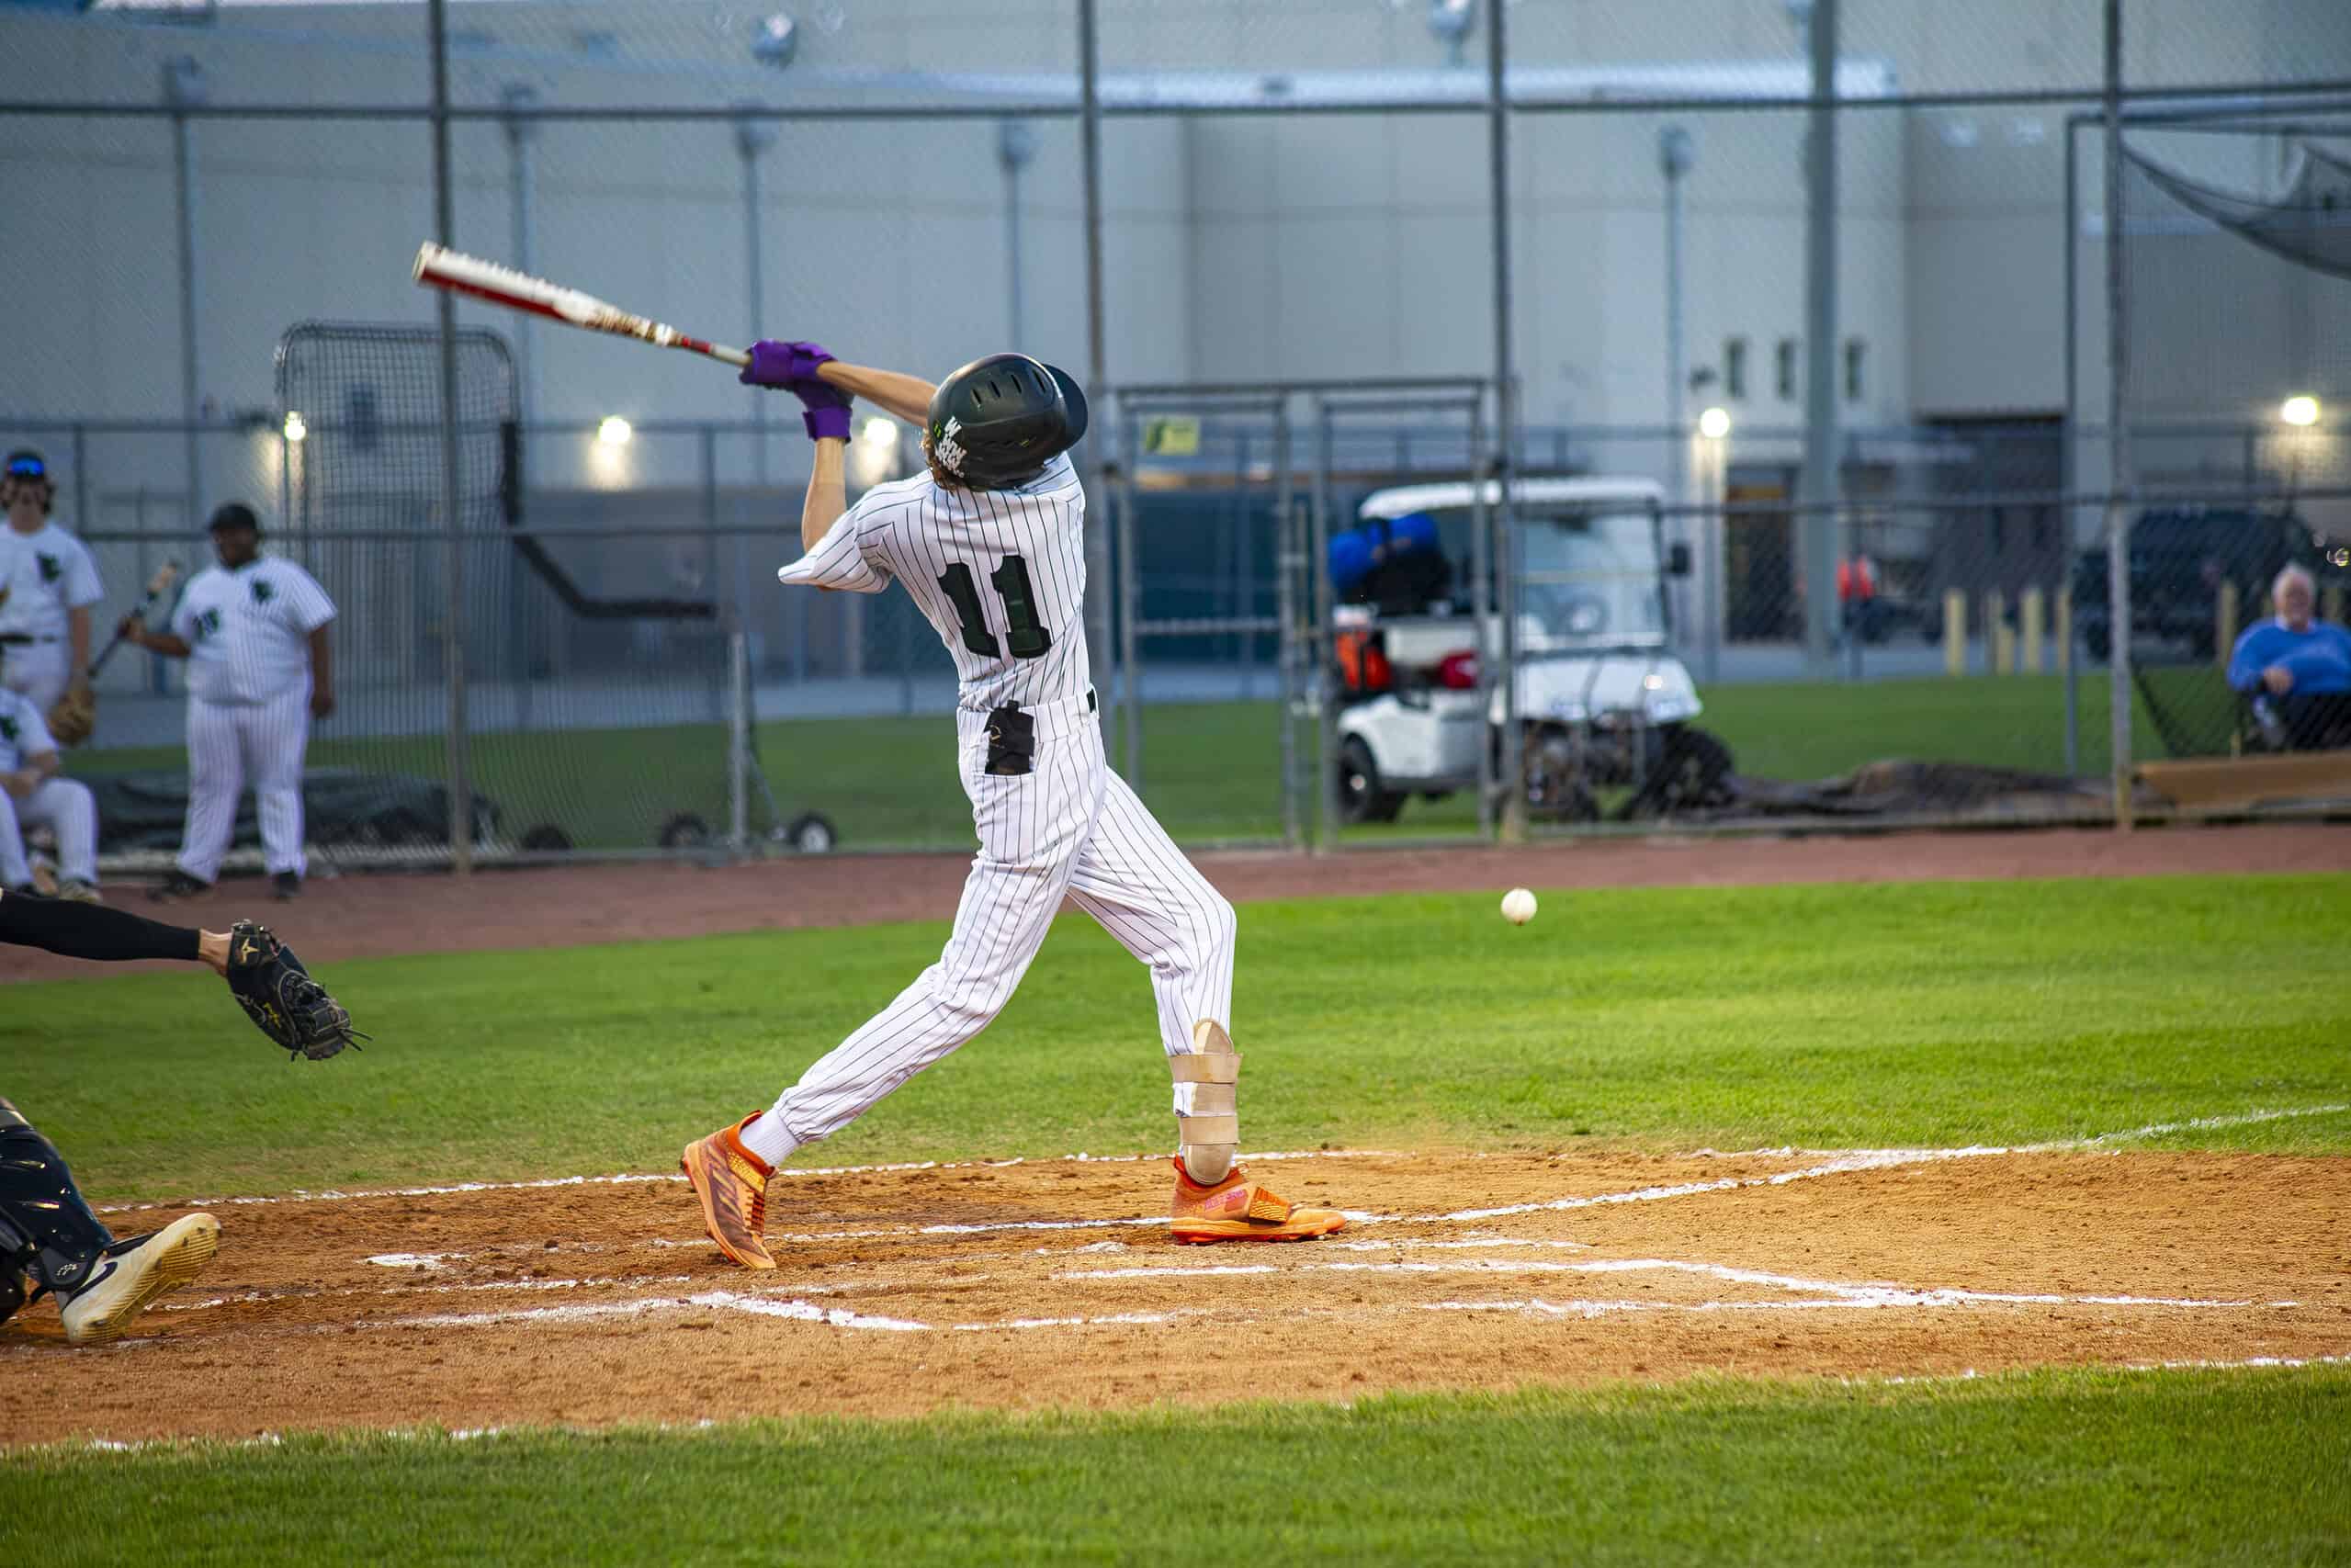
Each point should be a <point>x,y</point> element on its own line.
<point>1240,1210</point>
<point>731,1182</point>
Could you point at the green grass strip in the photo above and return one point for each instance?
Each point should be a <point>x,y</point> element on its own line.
<point>2088,1466</point>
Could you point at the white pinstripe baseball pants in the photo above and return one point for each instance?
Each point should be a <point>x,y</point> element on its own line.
<point>227,744</point>
<point>65,808</point>
<point>1072,828</point>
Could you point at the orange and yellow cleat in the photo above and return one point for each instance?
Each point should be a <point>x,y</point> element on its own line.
<point>732,1183</point>
<point>1236,1209</point>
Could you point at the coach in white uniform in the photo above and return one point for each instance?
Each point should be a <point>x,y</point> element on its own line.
<point>989,543</point>
<point>49,584</point>
<point>32,795</point>
<point>252,630</point>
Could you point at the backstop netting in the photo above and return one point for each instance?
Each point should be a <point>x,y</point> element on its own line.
<point>598,691</point>
<point>2237,307</point>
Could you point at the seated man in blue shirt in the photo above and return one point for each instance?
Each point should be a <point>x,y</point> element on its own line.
<point>2296,670</point>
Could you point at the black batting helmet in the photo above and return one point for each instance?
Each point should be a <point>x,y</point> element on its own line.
<point>997,421</point>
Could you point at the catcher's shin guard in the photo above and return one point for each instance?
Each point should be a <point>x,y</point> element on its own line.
<point>45,1229</point>
<point>1208,1121</point>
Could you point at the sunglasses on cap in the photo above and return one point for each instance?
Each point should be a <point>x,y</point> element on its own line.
<point>24,465</point>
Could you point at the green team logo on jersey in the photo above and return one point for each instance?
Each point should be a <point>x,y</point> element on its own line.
<point>51,568</point>
<point>208,624</point>
<point>8,731</point>
<point>263,591</point>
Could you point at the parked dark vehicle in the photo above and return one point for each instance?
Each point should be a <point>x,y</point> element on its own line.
<point>2180,558</point>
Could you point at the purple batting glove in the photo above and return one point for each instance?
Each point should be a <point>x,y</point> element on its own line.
<point>777,365</point>
<point>826,410</point>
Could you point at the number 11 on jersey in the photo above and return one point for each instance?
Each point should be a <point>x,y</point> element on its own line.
<point>1026,633</point>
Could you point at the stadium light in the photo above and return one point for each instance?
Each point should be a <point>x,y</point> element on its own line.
<point>2302,411</point>
<point>1715,424</point>
<point>614,431</point>
<point>879,433</point>
<point>295,427</point>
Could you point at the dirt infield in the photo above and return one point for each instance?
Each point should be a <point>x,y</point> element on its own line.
<point>375,915</point>
<point>1044,1283</point>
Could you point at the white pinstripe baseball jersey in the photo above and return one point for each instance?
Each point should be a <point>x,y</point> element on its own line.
<point>1000,574</point>
<point>247,630</point>
<point>46,572</point>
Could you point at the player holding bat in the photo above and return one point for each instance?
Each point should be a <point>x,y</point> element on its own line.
<point>989,542</point>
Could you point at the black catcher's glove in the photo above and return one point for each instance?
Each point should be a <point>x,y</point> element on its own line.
<point>282,1000</point>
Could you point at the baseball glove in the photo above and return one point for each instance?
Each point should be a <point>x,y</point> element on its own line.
<point>282,1000</point>
<point>72,716</point>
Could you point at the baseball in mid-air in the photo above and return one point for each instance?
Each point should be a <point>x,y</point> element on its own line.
<point>1517,905</point>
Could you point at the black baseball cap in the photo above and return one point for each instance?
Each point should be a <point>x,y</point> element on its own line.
<point>27,464</point>
<point>234,514</point>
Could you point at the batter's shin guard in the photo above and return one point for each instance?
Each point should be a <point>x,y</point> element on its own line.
<point>46,1229</point>
<point>1208,1123</point>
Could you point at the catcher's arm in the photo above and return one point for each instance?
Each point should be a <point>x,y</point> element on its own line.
<point>908,397</point>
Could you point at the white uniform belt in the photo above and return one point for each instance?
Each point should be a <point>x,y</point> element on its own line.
<point>1057,717</point>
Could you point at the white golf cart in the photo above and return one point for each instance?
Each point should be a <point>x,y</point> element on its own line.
<point>1601,702</point>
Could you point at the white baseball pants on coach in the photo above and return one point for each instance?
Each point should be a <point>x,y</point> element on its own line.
<point>229,743</point>
<point>66,809</point>
<point>1072,828</point>
<point>37,669</point>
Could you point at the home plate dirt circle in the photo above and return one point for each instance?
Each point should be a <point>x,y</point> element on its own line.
<point>1052,1283</point>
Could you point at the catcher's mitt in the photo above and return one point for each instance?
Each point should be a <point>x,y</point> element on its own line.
<point>72,716</point>
<point>282,1000</point>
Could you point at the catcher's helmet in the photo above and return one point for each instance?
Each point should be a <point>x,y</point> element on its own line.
<point>997,421</point>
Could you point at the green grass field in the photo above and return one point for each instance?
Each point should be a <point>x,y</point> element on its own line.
<point>1994,1012</point>
<point>1212,771</point>
<point>1829,1016</point>
<point>2073,1467</point>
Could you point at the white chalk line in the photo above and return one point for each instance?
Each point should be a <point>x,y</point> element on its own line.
<point>1855,1159</point>
<point>627,1178</point>
<point>1835,1294</point>
<point>1866,1159</point>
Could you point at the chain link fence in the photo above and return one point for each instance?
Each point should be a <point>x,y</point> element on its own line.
<point>1886,545</point>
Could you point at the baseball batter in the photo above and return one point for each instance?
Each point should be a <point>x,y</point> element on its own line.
<point>48,583</point>
<point>253,630</point>
<point>989,544</point>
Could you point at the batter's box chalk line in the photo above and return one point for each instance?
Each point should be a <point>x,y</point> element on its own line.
<point>1834,1165</point>
<point>631,1179</point>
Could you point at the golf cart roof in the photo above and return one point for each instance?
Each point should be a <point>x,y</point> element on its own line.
<point>1461,494</point>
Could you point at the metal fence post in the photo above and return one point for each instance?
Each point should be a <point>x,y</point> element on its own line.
<point>1317,664</point>
<point>1287,558</point>
<point>1130,610</point>
<point>1097,541</point>
<point>2118,515</point>
<point>1505,410</point>
<point>460,790</point>
<point>738,741</point>
<point>2070,459</point>
<point>1481,609</point>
